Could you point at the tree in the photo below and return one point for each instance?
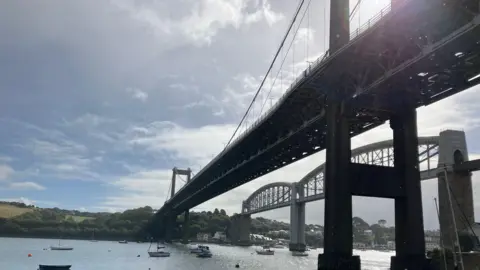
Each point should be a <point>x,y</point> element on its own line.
<point>216,212</point>
<point>222,212</point>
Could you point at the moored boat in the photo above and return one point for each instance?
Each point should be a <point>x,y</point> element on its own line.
<point>54,267</point>
<point>60,247</point>
<point>299,254</point>
<point>265,251</point>
<point>205,253</point>
<point>159,253</point>
<point>198,249</point>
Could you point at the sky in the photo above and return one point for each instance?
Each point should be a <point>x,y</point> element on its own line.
<point>99,100</point>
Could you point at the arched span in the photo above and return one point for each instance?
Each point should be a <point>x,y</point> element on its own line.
<point>379,153</point>
<point>268,197</point>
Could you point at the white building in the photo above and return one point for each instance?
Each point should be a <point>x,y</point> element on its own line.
<point>202,237</point>
<point>220,236</point>
<point>359,245</point>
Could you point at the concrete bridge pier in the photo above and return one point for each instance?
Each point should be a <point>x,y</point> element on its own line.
<point>239,230</point>
<point>186,227</point>
<point>338,240</point>
<point>409,230</point>
<point>169,222</point>
<point>297,220</point>
<point>453,150</point>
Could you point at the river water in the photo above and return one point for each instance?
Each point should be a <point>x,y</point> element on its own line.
<point>114,256</point>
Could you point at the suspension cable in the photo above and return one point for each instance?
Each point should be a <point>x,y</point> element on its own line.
<point>268,72</point>
<point>168,192</point>
<point>307,11</point>
<point>290,45</point>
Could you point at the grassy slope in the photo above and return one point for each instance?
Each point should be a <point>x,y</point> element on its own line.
<point>9,211</point>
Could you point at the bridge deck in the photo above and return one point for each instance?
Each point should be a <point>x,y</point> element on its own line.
<point>403,54</point>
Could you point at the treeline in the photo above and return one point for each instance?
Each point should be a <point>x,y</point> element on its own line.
<point>58,223</point>
<point>137,224</point>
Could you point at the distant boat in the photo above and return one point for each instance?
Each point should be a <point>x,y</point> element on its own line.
<point>54,267</point>
<point>198,249</point>
<point>123,242</point>
<point>278,246</point>
<point>265,251</point>
<point>204,253</point>
<point>93,237</point>
<point>299,254</point>
<point>159,253</point>
<point>60,247</point>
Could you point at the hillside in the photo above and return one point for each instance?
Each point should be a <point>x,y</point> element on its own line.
<point>10,211</point>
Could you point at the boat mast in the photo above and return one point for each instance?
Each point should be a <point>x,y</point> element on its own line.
<point>456,246</point>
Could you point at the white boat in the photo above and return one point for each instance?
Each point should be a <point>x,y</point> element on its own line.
<point>265,251</point>
<point>159,253</point>
<point>299,254</point>
<point>60,247</point>
<point>198,249</point>
<point>278,246</point>
<point>123,242</point>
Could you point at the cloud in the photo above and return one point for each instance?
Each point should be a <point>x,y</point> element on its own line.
<point>137,94</point>
<point>25,186</point>
<point>5,159</point>
<point>5,172</point>
<point>28,201</point>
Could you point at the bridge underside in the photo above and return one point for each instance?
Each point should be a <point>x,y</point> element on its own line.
<point>403,55</point>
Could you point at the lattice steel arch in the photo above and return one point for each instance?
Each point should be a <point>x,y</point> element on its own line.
<point>268,197</point>
<point>379,153</point>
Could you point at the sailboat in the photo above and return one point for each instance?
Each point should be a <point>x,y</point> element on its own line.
<point>93,237</point>
<point>159,253</point>
<point>60,247</point>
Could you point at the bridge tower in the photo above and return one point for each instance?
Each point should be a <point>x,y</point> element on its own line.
<point>170,221</point>
<point>454,188</point>
<point>340,171</point>
<point>297,219</point>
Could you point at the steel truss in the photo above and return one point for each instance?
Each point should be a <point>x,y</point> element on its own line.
<point>278,195</point>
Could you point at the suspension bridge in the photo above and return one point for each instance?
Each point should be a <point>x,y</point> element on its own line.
<point>410,54</point>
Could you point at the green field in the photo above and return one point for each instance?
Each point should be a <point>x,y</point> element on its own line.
<point>9,211</point>
<point>78,218</point>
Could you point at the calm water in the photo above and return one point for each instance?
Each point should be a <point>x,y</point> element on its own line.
<point>114,256</point>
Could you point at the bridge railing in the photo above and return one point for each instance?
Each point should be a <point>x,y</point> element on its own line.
<point>371,22</point>
<point>304,74</point>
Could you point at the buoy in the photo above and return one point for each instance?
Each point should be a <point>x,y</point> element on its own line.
<point>29,255</point>
<point>138,255</point>
<point>237,266</point>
